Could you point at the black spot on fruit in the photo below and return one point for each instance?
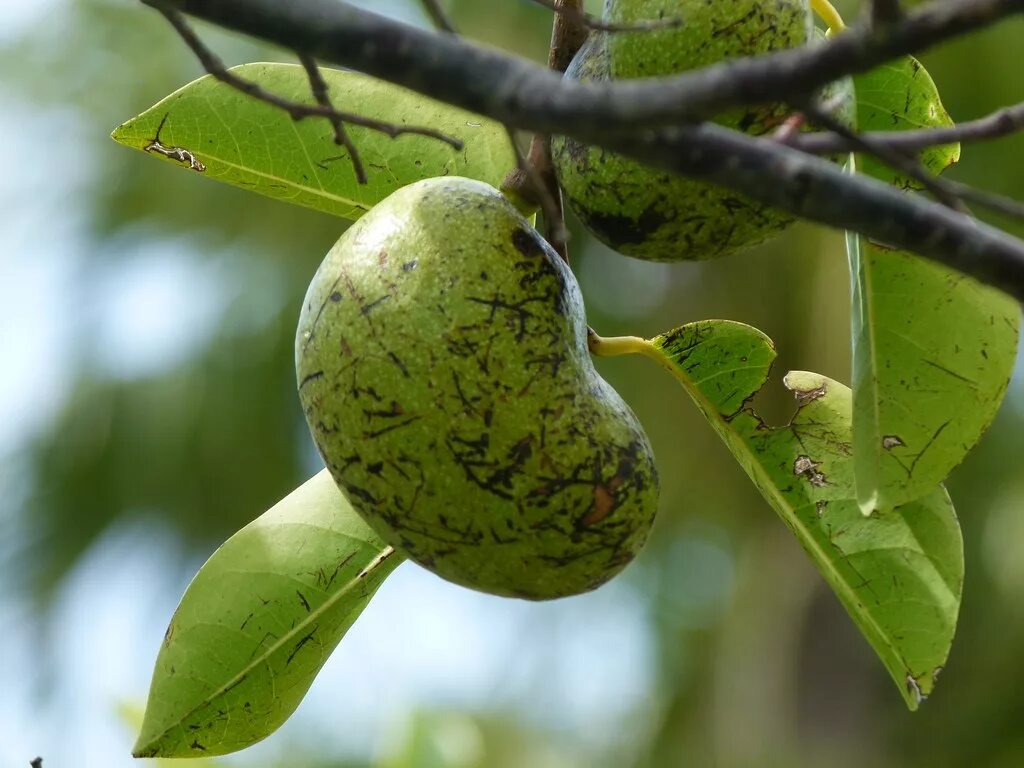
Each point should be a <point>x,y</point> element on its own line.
<point>624,230</point>
<point>526,243</point>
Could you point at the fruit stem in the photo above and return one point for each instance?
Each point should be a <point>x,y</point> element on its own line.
<point>617,346</point>
<point>828,14</point>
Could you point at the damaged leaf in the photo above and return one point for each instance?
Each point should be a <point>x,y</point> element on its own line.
<point>258,622</point>
<point>899,574</point>
<point>933,350</point>
<point>214,129</point>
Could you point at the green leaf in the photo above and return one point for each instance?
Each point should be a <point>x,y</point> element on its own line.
<point>253,145</point>
<point>899,574</point>
<point>258,622</point>
<point>933,350</point>
<point>901,96</point>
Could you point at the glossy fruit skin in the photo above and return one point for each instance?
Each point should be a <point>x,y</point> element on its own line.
<point>655,215</point>
<point>443,368</point>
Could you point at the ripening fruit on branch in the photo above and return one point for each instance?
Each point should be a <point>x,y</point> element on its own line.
<point>651,214</point>
<point>443,369</point>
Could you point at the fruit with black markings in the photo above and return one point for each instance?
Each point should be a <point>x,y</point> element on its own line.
<point>443,369</point>
<point>653,214</point>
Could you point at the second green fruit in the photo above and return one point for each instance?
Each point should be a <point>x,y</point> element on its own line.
<point>655,215</point>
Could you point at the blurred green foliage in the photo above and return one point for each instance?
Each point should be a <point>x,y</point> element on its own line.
<point>757,663</point>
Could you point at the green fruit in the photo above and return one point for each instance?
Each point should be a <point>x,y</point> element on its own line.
<point>655,215</point>
<point>443,368</point>
<point>710,31</point>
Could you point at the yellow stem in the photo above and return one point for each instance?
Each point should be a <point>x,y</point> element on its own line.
<point>828,13</point>
<point>621,345</point>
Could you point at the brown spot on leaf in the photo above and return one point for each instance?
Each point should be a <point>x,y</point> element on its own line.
<point>805,396</point>
<point>806,467</point>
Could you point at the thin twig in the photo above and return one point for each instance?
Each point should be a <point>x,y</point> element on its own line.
<point>577,16</point>
<point>904,164</point>
<point>296,110</point>
<point>568,34</point>
<point>1004,122</point>
<point>949,192</point>
<point>540,171</point>
<point>991,200</point>
<point>536,180</point>
<point>438,16</point>
<point>322,95</point>
<point>526,179</point>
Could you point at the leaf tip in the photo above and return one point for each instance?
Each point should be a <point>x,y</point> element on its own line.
<point>124,134</point>
<point>143,748</point>
<point>150,744</point>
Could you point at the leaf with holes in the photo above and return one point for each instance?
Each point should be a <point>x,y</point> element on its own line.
<point>210,127</point>
<point>899,574</point>
<point>933,350</point>
<point>258,622</point>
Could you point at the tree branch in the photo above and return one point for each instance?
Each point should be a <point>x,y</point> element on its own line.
<point>514,91</point>
<point>815,189</point>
